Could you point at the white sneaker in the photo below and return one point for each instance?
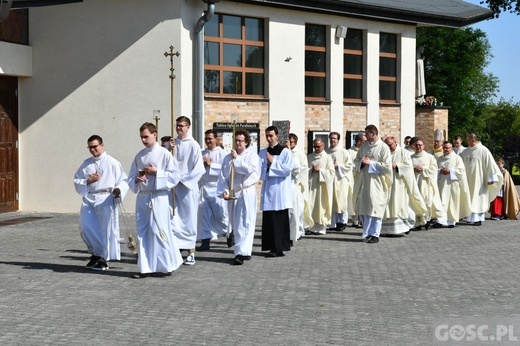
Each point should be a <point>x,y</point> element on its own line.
<point>190,260</point>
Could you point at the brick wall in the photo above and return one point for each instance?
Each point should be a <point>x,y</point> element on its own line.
<point>427,120</point>
<point>317,118</point>
<point>250,111</point>
<point>390,121</point>
<point>354,117</point>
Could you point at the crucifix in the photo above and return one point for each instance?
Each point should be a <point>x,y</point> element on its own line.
<point>171,54</point>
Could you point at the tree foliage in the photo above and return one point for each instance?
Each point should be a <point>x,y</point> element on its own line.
<point>499,6</point>
<point>454,63</point>
<point>502,132</point>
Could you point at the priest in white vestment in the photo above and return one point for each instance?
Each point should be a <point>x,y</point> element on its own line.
<point>458,148</point>
<point>101,181</point>
<point>453,188</point>
<point>188,157</point>
<point>300,185</point>
<point>484,178</point>
<point>152,176</point>
<point>405,198</point>
<point>321,183</point>
<point>372,186</point>
<point>343,183</point>
<point>213,217</point>
<point>425,169</point>
<point>237,185</point>
<point>353,150</point>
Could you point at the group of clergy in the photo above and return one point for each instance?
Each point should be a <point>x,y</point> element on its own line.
<point>400,189</point>
<point>185,195</point>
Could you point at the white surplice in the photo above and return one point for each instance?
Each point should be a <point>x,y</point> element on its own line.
<point>157,251</point>
<point>99,221</point>
<point>213,214</point>
<point>427,182</point>
<point>300,187</point>
<point>242,210</point>
<point>188,158</point>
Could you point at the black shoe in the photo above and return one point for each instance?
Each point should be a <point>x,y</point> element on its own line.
<point>451,226</point>
<point>437,225</point>
<point>93,261</point>
<point>418,228</point>
<point>407,232</point>
<point>100,266</point>
<point>230,239</point>
<point>478,223</point>
<point>204,246</point>
<point>139,275</point>
<point>237,261</point>
<point>373,240</point>
<point>427,226</point>
<point>280,254</point>
<point>341,227</point>
<point>245,258</point>
<point>368,238</point>
<point>271,254</point>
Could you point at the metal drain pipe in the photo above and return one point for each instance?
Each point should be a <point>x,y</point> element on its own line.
<point>198,114</point>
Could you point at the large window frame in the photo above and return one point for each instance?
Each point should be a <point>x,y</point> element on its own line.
<point>354,61</point>
<point>388,67</point>
<point>249,75</point>
<point>316,71</point>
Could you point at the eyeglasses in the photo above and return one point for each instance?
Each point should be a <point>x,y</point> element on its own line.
<point>91,147</point>
<point>181,125</point>
<point>240,140</point>
<point>317,146</point>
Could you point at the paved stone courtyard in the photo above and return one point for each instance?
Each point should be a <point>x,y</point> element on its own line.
<point>332,289</point>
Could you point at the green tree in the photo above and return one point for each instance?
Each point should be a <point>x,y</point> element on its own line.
<point>502,133</point>
<point>499,6</point>
<point>454,63</point>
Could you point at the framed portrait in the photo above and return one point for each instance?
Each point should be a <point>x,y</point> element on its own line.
<point>350,138</point>
<point>312,135</point>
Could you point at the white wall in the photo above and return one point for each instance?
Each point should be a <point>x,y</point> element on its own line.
<point>99,68</point>
<point>15,59</point>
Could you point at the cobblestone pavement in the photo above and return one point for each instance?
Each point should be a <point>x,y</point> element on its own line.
<point>332,289</point>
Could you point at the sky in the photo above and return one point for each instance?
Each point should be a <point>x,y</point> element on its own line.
<point>502,33</point>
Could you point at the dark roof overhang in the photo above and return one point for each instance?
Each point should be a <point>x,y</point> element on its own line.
<point>448,13</point>
<point>38,3</point>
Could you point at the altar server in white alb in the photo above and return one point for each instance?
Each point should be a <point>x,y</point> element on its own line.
<point>453,188</point>
<point>343,183</point>
<point>239,175</point>
<point>276,199</point>
<point>372,186</point>
<point>101,181</point>
<point>484,178</point>
<point>188,157</point>
<point>213,216</point>
<point>152,176</point>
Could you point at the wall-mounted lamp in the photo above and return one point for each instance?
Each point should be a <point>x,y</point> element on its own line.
<point>288,59</point>
<point>341,31</point>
